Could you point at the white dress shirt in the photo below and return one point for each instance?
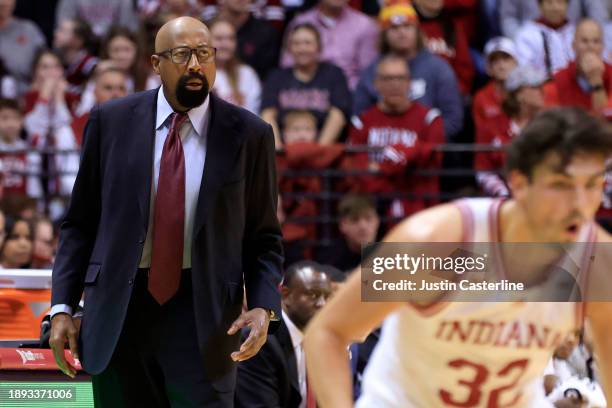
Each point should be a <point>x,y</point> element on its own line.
<point>297,338</point>
<point>193,137</point>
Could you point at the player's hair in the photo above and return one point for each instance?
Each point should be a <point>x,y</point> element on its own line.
<point>355,205</point>
<point>565,131</point>
<point>12,104</point>
<point>294,269</point>
<point>295,114</point>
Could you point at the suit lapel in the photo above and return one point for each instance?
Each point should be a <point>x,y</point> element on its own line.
<point>143,126</point>
<point>223,142</point>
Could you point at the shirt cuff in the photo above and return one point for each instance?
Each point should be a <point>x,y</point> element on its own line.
<point>61,308</point>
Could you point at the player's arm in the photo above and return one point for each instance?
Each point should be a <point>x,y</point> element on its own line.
<point>346,318</point>
<point>599,309</point>
<point>599,314</point>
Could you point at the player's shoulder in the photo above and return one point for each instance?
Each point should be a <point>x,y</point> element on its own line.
<point>441,223</point>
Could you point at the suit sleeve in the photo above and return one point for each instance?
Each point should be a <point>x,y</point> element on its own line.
<point>257,383</point>
<point>79,228</point>
<point>263,253</point>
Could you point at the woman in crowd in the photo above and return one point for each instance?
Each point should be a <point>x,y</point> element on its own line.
<point>310,85</point>
<point>16,251</point>
<point>49,85</point>
<point>119,49</point>
<point>523,101</point>
<point>235,82</point>
<point>446,37</point>
<point>49,112</point>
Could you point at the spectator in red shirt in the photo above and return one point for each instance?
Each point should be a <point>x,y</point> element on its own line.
<point>500,54</point>
<point>524,99</point>
<point>587,81</point>
<point>302,152</point>
<point>447,38</point>
<point>407,133</point>
<point>73,39</point>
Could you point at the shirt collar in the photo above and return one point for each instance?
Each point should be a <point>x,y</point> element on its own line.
<point>197,115</point>
<point>296,334</point>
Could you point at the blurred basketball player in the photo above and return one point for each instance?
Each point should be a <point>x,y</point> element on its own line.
<point>431,355</point>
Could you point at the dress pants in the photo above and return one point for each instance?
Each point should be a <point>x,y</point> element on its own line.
<point>157,362</point>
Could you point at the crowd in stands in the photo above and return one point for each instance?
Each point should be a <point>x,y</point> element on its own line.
<point>366,99</point>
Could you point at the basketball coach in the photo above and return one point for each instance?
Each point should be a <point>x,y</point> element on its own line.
<point>173,213</point>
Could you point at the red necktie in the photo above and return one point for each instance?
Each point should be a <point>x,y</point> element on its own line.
<point>311,401</point>
<point>169,217</point>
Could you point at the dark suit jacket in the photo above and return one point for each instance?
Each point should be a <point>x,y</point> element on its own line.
<point>236,236</point>
<point>270,378</point>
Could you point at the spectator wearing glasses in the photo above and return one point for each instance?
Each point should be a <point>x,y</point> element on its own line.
<point>406,134</point>
<point>153,215</point>
<point>433,82</point>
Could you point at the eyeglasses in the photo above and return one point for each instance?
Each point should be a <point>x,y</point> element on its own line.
<point>390,78</point>
<point>181,55</point>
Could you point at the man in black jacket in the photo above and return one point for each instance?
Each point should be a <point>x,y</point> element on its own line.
<point>276,376</point>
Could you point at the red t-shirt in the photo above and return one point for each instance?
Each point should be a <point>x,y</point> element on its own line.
<point>458,56</point>
<point>408,142</point>
<point>487,107</point>
<point>564,89</point>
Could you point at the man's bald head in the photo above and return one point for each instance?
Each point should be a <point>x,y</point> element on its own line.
<point>186,83</point>
<point>176,28</point>
<point>588,38</point>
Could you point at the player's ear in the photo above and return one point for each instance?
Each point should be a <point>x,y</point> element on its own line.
<point>518,182</point>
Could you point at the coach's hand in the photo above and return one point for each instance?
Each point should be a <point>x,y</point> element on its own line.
<point>64,330</point>
<point>258,320</point>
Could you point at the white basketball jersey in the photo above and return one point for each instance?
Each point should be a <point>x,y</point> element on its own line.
<point>464,354</point>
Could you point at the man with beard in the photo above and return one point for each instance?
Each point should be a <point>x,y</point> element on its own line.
<point>173,213</point>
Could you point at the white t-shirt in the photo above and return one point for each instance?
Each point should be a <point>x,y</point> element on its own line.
<point>248,86</point>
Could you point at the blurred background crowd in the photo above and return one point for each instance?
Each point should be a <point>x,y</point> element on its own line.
<point>379,109</point>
